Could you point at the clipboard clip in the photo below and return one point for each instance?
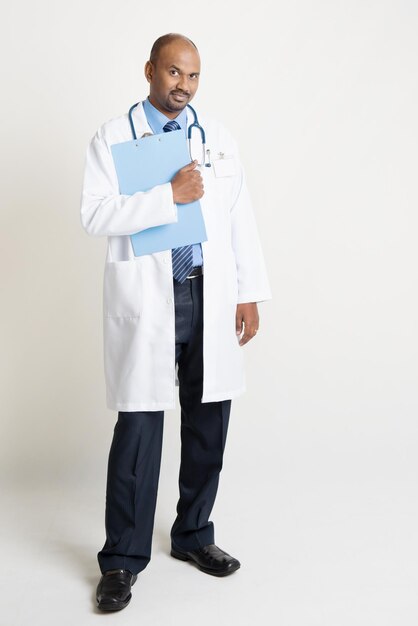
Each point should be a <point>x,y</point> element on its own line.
<point>142,137</point>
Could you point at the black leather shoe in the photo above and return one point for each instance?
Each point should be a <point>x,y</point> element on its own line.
<point>114,589</point>
<point>209,559</point>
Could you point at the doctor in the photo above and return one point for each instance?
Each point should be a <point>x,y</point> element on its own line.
<point>173,318</point>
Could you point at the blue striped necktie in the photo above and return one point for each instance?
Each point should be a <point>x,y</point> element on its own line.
<point>182,257</point>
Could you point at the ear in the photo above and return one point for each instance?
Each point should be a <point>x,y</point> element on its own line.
<point>148,71</point>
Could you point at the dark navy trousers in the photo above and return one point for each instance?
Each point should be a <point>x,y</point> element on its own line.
<point>135,455</point>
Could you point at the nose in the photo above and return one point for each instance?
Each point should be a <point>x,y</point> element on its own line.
<point>183,83</point>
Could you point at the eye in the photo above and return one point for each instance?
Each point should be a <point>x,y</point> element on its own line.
<point>173,72</point>
<point>194,76</point>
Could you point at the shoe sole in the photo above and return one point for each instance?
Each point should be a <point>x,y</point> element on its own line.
<point>184,557</point>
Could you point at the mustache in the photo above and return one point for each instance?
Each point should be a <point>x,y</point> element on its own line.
<point>180,93</point>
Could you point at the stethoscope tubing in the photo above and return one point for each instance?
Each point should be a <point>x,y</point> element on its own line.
<point>194,124</point>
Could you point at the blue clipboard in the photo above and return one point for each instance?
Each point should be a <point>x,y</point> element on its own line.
<point>144,163</point>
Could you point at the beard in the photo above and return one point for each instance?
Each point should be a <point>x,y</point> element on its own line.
<point>176,101</point>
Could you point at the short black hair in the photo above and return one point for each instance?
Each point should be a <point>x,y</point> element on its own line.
<point>164,40</point>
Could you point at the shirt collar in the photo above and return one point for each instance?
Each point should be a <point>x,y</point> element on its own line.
<point>158,120</point>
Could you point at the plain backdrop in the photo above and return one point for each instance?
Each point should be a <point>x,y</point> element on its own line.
<point>317,495</point>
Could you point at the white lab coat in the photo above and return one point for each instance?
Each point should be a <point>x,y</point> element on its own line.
<point>138,294</point>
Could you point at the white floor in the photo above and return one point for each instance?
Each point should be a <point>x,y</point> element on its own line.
<point>337,555</point>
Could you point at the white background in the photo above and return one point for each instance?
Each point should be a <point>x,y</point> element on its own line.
<point>317,496</point>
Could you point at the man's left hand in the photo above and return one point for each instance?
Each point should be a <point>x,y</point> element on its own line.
<point>247,317</point>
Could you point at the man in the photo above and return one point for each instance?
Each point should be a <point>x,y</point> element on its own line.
<point>190,308</point>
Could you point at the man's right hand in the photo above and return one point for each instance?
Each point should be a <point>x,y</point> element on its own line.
<point>187,184</point>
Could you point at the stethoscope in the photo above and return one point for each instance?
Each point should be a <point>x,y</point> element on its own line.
<point>195,124</point>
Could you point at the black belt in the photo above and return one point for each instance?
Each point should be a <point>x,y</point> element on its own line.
<point>196,271</point>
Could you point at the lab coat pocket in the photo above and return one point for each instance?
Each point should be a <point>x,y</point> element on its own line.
<point>225,166</point>
<point>122,289</point>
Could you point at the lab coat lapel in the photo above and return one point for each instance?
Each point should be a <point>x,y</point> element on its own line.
<point>197,153</point>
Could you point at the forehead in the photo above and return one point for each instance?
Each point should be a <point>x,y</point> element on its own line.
<point>181,54</point>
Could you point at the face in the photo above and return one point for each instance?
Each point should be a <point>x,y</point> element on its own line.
<point>174,77</point>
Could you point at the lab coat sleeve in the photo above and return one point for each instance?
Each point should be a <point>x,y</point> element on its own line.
<point>253,283</point>
<point>106,212</point>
